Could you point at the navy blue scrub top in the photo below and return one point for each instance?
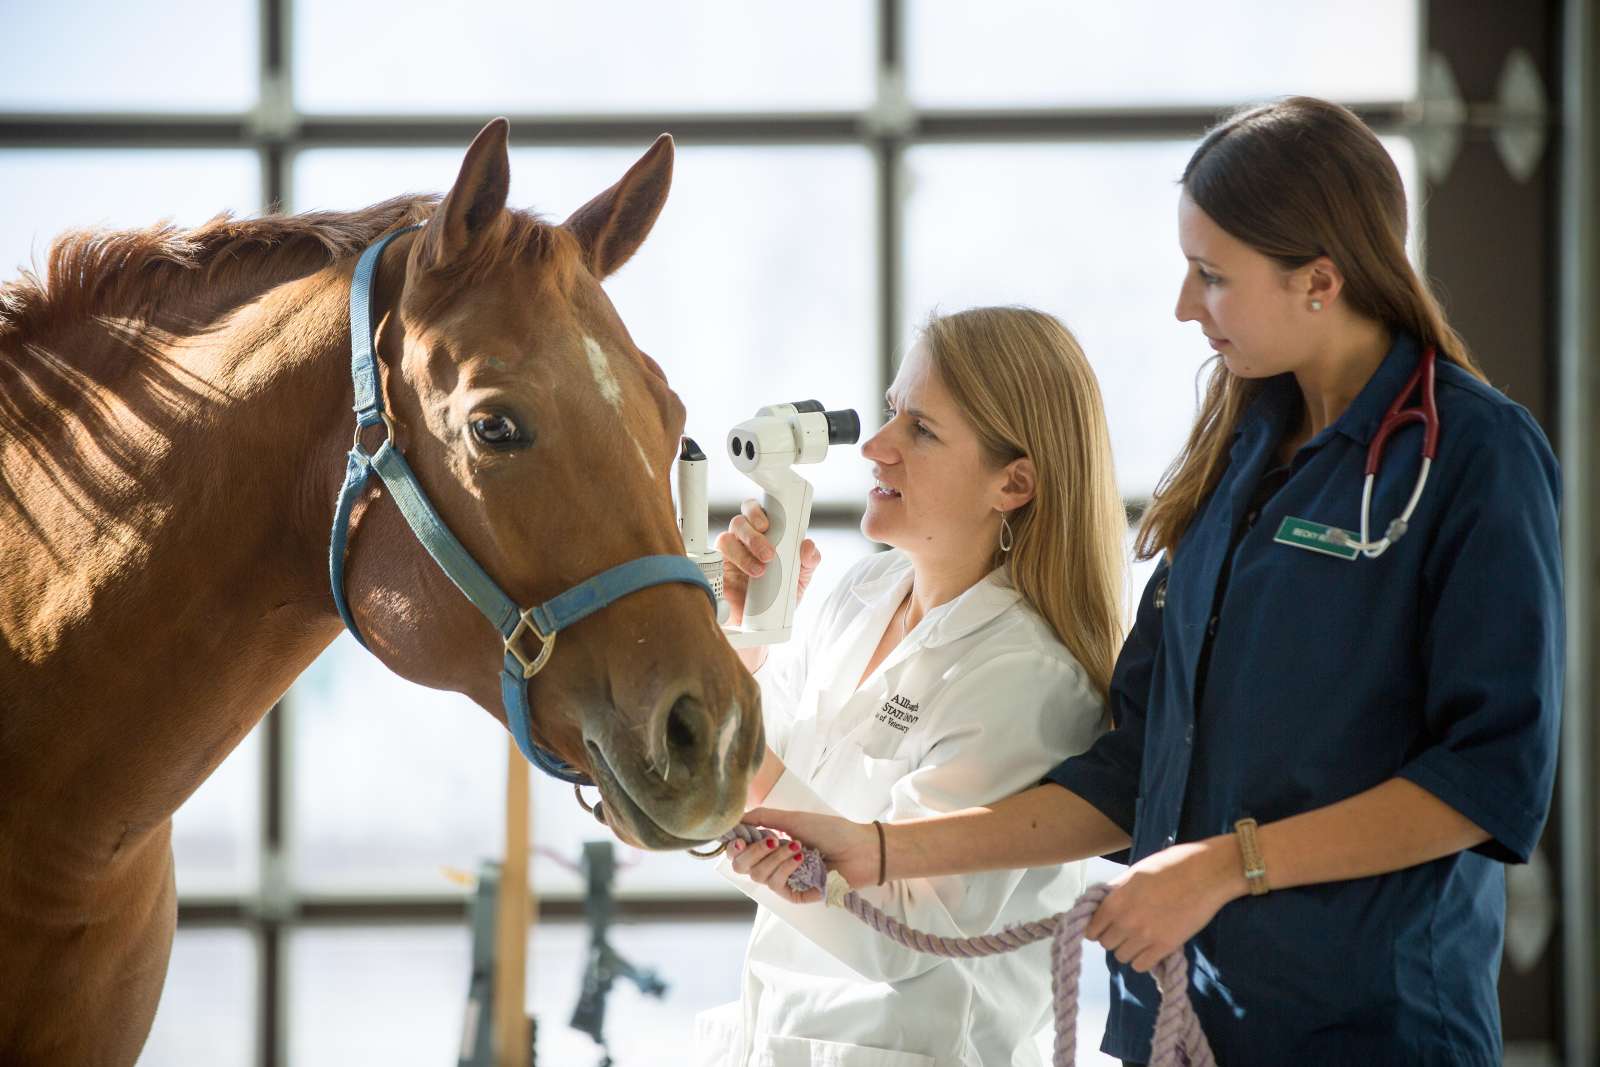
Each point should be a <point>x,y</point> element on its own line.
<point>1277,680</point>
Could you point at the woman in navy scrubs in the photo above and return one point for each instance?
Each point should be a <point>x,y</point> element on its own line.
<point>1389,723</point>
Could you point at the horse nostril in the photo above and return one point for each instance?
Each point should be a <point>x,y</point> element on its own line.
<point>685,727</point>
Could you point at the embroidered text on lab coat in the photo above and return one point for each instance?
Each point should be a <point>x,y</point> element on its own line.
<point>898,713</point>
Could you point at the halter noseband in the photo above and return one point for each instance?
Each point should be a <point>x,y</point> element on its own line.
<point>544,621</point>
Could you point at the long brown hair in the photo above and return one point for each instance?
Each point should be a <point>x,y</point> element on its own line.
<point>1295,180</point>
<point>1022,380</point>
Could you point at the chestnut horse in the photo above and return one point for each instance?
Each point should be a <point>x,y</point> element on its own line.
<point>175,409</point>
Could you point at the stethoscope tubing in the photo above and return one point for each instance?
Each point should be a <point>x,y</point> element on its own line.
<point>1427,413</point>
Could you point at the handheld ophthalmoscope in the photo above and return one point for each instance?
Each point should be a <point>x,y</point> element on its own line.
<point>693,517</point>
<point>766,448</point>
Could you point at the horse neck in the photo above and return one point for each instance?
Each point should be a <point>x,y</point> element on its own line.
<point>177,491</point>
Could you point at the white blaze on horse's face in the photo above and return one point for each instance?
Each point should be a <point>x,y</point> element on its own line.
<point>600,366</point>
<point>611,391</point>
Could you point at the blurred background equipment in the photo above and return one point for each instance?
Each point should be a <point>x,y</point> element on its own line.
<point>604,964</point>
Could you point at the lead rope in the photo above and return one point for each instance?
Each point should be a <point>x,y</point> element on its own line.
<point>1178,1040</point>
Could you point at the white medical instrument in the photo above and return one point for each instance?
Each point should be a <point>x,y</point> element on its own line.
<point>693,518</point>
<point>766,448</point>
<point>1427,413</point>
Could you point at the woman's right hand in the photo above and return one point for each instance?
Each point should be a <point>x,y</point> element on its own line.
<point>851,848</point>
<point>746,553</point>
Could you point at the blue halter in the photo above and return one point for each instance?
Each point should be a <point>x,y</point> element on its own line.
<point>513,623</point>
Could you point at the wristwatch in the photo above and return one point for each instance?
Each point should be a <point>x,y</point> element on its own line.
<point>1255,868</point>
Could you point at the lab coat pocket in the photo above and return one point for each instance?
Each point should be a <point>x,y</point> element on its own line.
<point>778,1051</point>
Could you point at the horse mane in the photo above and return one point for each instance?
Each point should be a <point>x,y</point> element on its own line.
<point>102,271</point>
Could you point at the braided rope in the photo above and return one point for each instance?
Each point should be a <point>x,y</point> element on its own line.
<point>1178,1040</point>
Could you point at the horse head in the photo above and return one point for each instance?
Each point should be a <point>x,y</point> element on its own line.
<point>543,437</point>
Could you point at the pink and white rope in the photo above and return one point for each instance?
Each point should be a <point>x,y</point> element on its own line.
<point>1178,1040</point>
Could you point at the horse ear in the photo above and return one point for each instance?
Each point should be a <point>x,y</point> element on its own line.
<point>475,203</point>
<point>613,225</point>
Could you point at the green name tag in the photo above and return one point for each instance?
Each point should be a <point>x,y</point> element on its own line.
<point>1314,536</point>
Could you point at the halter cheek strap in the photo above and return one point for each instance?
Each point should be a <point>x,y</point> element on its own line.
<point>515,625</point>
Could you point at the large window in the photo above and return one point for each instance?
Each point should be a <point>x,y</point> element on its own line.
<point>636,57</point>
<point>1159,54</point>
<point>844,170</point>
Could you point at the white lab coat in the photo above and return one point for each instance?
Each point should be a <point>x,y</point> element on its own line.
<point>975,704</point>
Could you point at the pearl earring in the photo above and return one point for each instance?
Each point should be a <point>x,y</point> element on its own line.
<point>1316,305</point>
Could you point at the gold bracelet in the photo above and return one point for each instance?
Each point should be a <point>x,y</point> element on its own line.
<point>1255,868</point>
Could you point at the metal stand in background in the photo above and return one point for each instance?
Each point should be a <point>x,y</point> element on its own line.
<point>498,1031</point>
<point>477,1040</point>
<point>604,965</point>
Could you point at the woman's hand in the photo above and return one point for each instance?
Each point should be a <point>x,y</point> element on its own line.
<point>1165,899</point>
<point>770,861</point>
<point>746,553</point>
<point>851,848</point>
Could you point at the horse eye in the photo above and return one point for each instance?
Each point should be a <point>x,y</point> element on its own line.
<point>496,430</point>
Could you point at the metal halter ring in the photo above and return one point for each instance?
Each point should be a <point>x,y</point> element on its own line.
<point>597,811</point>
<point>388,428</point>
<point>547,645</point>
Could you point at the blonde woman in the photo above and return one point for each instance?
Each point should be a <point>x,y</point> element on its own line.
<point>950,671</point>
<point>1323,756</point>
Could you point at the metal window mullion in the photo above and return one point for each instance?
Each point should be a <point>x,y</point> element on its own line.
<point>270,130</point>
<point>888,152</point>
<point>1580,460</point>
<point>273,904</point>
<point>288,127</point>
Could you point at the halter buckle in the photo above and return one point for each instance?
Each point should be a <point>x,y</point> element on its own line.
<point>547,644</point>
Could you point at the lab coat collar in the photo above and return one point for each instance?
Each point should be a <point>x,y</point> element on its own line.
<point>896,576</point>
<point>950,621</point>
<point>1270,411</point>
<point>1361,419</point>
<point>1268,414</point>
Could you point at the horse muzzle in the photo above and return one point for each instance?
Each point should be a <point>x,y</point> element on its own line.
<point>686,783</point>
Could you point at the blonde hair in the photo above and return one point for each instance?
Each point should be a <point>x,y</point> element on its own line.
<point>1295,180</point>
<point>1024,383</point>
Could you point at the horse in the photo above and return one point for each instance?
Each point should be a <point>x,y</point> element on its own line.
<point>175,408</point>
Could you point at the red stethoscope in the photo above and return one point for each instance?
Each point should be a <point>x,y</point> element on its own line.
<point>1427,413</point>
